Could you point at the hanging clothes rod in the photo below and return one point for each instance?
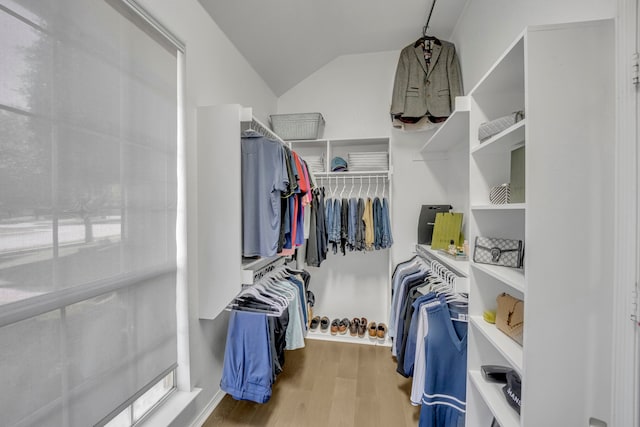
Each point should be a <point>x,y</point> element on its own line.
<point>459,283</point>
<point>263,130</point>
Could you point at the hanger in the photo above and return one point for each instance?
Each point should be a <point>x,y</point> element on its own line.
<point>360,189</point>
<point>425,37</point>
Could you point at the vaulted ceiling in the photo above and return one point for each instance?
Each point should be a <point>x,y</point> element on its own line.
<point>287,40</point>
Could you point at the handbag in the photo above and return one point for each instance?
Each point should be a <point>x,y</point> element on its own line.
<point>510,316</point>
<point>497,251</point>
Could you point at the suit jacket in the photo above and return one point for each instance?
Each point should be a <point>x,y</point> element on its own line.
<point>419,90</point>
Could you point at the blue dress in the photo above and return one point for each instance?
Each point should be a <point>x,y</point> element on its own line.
<point>444,397</point>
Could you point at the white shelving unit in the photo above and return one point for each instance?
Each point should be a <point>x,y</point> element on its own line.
<point>357,284</point>
<point>568,132</point>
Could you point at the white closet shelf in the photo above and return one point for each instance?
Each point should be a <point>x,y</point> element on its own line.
<point>507,140</point>
<point>513,277</point>
<point>460,267</point>
<point>503,207</point>
<point>326,336</point>
<point>509,349</point>
<point>453,132</point>
<point>494,398</point>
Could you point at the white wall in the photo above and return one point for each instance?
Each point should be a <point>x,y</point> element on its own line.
<point>216,73</point>
<point>486,28</point>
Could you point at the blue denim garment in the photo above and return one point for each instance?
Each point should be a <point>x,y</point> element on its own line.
<point>353,223</point>
<point>378,222</point>
<point>387,238</point>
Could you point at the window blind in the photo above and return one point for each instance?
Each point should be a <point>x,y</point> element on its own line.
<point>88,188</point>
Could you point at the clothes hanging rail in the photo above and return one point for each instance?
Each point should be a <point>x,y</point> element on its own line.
<point>257,269</point>
<point>262,129</point>
<point>457,282</point>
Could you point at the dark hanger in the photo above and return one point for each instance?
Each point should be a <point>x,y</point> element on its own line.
<point>425,37</point>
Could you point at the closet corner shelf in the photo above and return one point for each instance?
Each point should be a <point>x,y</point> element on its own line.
<point>511,350</point>
<point>503,207</point>
<point>460,267</point>
<point>506,140</point>
<point>494,398</point>
<point>454,131</point>
<point>513,277</point>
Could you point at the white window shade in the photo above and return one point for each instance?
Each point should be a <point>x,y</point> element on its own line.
<point>88,113</point>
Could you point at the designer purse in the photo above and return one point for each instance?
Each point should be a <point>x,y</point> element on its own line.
<point>497,251</point>
<point>510,316</point>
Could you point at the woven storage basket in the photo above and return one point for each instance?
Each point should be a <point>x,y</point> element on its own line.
<point>298,126</point>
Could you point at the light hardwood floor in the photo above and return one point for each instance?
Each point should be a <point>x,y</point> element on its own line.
<point>329,384</point>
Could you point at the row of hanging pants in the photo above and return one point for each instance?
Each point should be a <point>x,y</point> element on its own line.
<point>428,327</point>
<point>265,320</point>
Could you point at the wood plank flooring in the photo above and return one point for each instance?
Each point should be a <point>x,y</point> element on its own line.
<point>329,384</point>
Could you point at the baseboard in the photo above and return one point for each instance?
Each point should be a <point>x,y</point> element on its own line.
<point>208,410</point>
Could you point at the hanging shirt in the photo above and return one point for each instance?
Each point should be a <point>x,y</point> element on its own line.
<point>264,177</point>
<point>368,225</point>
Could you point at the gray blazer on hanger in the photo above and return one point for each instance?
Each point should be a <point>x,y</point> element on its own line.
<point>419,90</point>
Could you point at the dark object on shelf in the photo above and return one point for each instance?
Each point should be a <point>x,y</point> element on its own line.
<point>497,251</point>
<point>495,373</point>
<point>513,391</point>
<point>427,220</point>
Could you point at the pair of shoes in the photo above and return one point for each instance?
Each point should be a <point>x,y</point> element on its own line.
<point>362,327</point>
<point>344,326</point>
<point>382,331</point>
<point>355,326</point>
<point>324,324</point>
<point>335,325</point>
<point>377,331</point>
<point>373,330</point>
<point>315,322</point>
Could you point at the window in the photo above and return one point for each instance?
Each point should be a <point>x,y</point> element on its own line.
<point>88,190</point>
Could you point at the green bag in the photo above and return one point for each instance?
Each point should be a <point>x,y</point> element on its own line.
<point>448,227</point>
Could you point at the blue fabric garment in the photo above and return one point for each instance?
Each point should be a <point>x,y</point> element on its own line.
<point>387,237</point>
<point>412,336</point>
<point>334,231</point>
<point>301,294</point>
<point>378,222</point>
<point>353,223</point>
<point>264,178</point>
<point>410,275</point>
<point>444,397</point>
<point>328,218</point>
<point>247,372</point>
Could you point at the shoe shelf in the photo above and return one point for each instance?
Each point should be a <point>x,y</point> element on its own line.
<point>347,338</point>
<point>513,277</point>
<point>494,399</point>
<point>507,347</point>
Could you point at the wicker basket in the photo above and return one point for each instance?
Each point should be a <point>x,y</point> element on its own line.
<point>298,126</point>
